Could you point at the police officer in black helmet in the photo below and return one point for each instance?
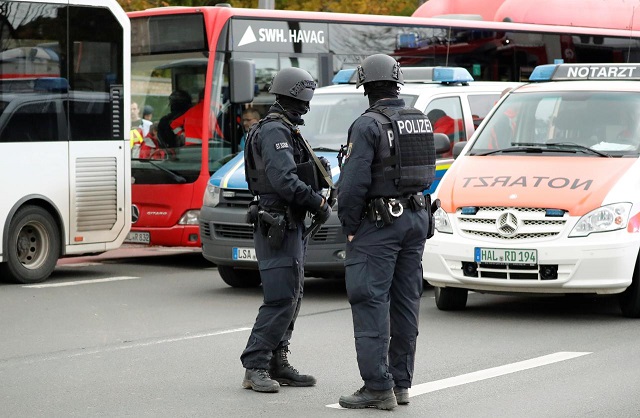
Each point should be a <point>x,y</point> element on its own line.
<point>389,161</point>
<point>281,173</point>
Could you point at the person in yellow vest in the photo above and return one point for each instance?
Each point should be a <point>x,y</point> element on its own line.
<point>135,141</point>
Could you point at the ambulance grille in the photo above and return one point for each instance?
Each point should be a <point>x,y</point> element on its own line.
<point>525,223</point>
<point>96,194</point>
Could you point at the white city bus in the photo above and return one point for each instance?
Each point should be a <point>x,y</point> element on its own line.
<point>65,169</point>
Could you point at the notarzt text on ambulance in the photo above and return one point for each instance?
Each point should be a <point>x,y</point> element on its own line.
<point>527,181</point>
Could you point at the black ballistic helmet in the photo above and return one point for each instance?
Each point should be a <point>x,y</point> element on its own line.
<point>293,82</point>
<point>379,67</point>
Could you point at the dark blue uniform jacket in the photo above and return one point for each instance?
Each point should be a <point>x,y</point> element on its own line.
<point>277,150</point>
<point>355,174</point>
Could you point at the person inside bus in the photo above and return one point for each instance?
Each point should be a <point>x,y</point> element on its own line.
<point>179,103</point>
<point>188,126</point>
<point>250,116</point>
<point>137,122</point>
<point>147,113</point>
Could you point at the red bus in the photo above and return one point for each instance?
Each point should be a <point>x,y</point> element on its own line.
<point>614,14</point>
<point>200,52</point>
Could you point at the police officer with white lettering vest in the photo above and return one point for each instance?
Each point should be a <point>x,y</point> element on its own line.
<point>388,162</point>
<point>286,177</point>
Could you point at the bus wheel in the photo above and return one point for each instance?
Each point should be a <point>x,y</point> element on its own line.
<point>33,246</point>
<point>239,277</point>
<point>450,298</point>
<point>629,300</point>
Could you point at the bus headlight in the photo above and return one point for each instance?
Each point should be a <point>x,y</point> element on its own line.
<point>442,223</point>
<point>189,218</point>
<point>604,219</point>
<point>211,196</point>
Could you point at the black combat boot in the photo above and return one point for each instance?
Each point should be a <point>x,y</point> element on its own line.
<point>369,398</point>
<point>284,373</point>
<point>260,381</point>
<point>402,395</point>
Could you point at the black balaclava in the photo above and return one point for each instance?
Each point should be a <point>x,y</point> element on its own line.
<point>293,108</point>
<point>377,90</point>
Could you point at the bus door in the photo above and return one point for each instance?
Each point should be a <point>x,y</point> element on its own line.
<point>98,139</point>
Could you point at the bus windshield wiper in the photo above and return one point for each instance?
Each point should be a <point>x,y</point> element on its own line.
<point>578,147</point>
<point>177,177</point>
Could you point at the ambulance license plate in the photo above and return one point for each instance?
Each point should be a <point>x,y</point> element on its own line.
<point>505,256</point>
<point>244,254</point>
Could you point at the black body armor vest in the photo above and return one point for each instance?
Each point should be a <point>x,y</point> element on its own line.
<point>255,167</point>
<point>406,157</point>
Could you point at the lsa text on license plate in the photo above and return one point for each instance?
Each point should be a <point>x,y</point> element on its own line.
<point>244,254</point>
<point>505,256</point>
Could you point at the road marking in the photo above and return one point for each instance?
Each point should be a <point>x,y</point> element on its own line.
<point>463,379</point>
<point>108,279</point>
<point>126,345</point>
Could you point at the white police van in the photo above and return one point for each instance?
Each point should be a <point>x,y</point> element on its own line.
<point>545,197</point>
<point>455,104</point>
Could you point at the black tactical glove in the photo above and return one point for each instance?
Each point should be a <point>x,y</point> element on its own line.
<point>322,215</point>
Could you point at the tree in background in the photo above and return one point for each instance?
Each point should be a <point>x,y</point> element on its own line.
<point>378,7</point>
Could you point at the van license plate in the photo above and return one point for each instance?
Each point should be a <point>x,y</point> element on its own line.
<point>506,256</point>
<point>138,237</point>
<point>244,254</point>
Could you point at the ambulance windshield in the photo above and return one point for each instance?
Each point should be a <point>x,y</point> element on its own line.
<point>578,122</point>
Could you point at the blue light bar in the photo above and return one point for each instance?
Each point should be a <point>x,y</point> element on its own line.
<point>51,84</point>
<point>343,76</point>
<point>543,72</point>
<point>451,75</point>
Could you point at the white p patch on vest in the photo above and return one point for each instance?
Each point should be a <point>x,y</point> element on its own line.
<point>282,145</point>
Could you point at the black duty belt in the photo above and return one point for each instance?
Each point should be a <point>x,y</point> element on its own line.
<point>386,209</point>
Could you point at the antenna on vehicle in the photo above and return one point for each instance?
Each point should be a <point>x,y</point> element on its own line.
<point>446,61</point>
<point>633,12</point>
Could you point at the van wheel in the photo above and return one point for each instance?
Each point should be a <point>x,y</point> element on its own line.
<point>629,300</point>
<point>450,298</point>
<point>33,246</point>
<point>239,277</point>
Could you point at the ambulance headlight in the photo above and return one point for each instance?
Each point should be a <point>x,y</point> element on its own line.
<point>604,219</point>
<point>442,223</point>
<point>211,196</point>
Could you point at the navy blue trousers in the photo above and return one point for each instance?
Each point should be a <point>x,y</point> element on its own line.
<point>384,286</point>
<point>282,274</point>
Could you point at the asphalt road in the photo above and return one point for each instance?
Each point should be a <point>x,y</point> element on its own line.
<point>156,333</point>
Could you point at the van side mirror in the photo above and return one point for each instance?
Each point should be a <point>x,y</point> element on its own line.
<point>457,148</point>
<point>242,80</point>
<point>442,143</point>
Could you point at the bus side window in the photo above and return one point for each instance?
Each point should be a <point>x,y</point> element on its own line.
<point>21,127</point>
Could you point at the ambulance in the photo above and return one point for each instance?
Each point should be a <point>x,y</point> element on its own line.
<point>545,196</point>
